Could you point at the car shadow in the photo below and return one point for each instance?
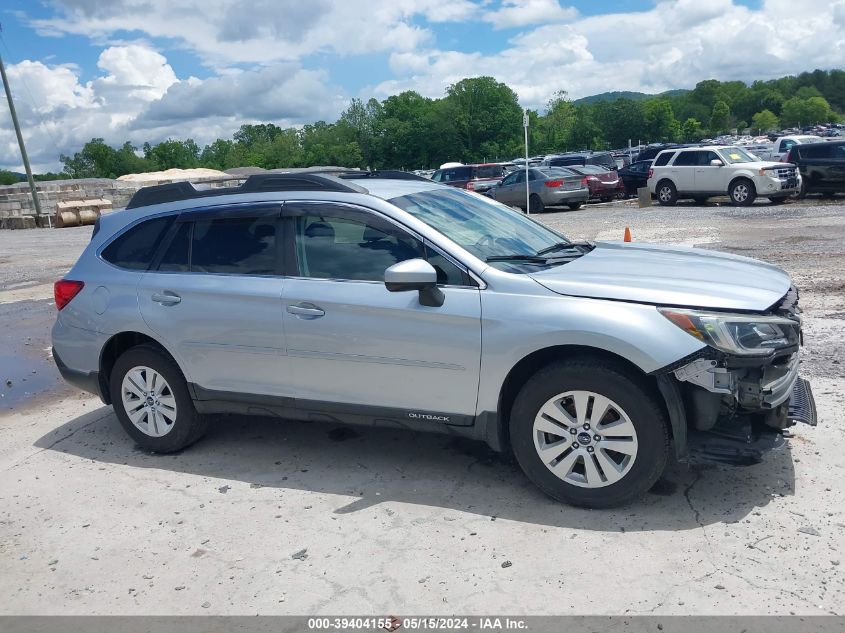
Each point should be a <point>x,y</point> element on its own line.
<point>375,465</point>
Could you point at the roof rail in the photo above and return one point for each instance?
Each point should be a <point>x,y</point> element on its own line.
<point>173,192</point>
<point>387,174</point>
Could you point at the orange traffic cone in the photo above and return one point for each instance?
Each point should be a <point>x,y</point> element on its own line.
<point>627,237</point>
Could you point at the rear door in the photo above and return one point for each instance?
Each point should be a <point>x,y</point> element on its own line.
<point>213,297</point>
<point>682,170</point>
<point>356,347</point>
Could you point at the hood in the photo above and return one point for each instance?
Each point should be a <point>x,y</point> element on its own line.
<point>669,275</point>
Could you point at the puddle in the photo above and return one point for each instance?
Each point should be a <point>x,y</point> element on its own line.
<point>22,378</point>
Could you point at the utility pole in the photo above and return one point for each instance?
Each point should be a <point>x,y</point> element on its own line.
<point>20,138</point>
<point>527,196</point>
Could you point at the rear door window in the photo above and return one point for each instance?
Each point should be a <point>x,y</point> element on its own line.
<point>488,171</point>
<point>242,246</point>
<point>686,159</point>
<point>135,249</point>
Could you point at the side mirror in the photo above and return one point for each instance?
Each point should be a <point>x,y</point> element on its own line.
<point>716,163</point>
<point>415,274</point>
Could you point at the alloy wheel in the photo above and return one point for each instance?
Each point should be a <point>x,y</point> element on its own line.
<point>148,401</point>
<point>665,194</point>
<point>585,439</point>
<point>740,193</point>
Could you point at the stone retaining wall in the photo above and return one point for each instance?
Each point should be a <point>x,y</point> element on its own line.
<point>17,210</point>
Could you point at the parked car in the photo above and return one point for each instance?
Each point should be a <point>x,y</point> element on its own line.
<point>635,176</point>
<point>822,166</point>
<point>547,187</point>
<point>411,304</point>
<point>603,159</point>
<point>650,152</point>
<point>781,146</point>
<point>472,177</point>
<point>704,172</point>
<point>603,184</point>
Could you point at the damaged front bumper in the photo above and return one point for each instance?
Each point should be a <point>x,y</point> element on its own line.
<point>737,409</point>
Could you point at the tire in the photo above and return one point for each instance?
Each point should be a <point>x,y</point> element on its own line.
<point>640,412</point>
<point>742,193</point>
<point>535,203</point>
<point>174,423</point>
<point>575,206</point>
<point>700,200</point>
<point>667,194</point>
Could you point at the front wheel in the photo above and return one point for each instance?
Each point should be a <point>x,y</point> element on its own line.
<point>589,433</point>
<point>535,204</point>
<point>151,400</point>
<point>743,193</point>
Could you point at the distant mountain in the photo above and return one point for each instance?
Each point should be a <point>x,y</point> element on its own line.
<point>633,96</point>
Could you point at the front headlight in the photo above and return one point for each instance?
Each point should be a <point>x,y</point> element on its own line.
<point>744,335</point>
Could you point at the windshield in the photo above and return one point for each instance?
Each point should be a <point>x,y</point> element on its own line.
<point>480,225</point>
<point>738,155</point>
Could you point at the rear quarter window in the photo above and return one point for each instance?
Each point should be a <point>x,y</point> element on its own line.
<point>134,250</point>
<point>663,159</point>
<point>488,171</point>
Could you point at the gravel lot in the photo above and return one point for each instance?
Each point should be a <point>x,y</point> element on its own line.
<point>274,518</point>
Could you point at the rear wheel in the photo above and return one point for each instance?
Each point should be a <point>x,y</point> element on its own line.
<point>667,194</point>
<point>535,204</point>
<point>575,206</point>
<point>589,433</point>
<point>743,193</point>
<point>151,400</point>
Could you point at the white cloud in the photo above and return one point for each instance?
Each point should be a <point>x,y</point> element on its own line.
<point>225,32</point>
<point>139,98</point>
<point>674,45</point>
<point>515,13</point>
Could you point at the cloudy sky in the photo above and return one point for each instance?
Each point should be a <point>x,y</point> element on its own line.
<point>146,70</point>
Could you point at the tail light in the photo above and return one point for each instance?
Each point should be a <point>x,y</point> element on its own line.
<point>64,290</point>
<point>650,173</point>
<point>470,186</point>
<point>585,181</point>
<point>553,183</point>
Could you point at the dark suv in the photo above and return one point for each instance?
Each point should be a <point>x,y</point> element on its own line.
<point>473,177</point>
<point>822,166</point>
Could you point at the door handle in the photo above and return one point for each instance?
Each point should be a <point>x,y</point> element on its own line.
<point>166,298</point>
<point>305,311</point>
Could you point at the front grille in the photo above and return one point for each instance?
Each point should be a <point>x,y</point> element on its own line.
<point>785,173</point>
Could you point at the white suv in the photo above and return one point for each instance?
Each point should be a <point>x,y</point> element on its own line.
<point>702,172</point>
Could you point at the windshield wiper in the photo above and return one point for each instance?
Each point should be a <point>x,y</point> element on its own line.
<point>516,257</point>
<point>581,247</point>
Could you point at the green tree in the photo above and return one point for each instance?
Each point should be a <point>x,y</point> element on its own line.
<point>720,117</point>
<point>764,121</point>
<point>660,121</point>
<point>484,111</point>
<point>173,153</point>
<point>8,178</point>
<point>692,131</point>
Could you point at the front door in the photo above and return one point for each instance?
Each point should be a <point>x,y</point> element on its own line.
<point>214,299</point>
<point>351,342</point>
<point>710,179</point>
<point>508,191</point>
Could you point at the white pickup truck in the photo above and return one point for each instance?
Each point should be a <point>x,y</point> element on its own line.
<point>704,172</point>
<point>778,150</point>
